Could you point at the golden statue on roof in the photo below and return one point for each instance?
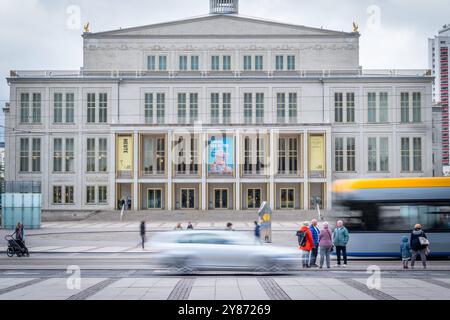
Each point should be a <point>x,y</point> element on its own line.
<point>86,28</point>
<point>355,27</point>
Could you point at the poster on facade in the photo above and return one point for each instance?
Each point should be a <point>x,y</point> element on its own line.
<point>317,156</point>
<point>221,155</point>
<point>125,153</point>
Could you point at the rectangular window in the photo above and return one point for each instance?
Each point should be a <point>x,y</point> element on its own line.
<point>70,154</point>
<point>350,107</point>
<point>70,108</point>
<point>57,195</point>
<point>154,197</point>
<point>339,154</point>
<point>351,155</point>
<point>247,63</point>
<point>102,194</point>
<point>160,156</point>
<point>248,156</point>
<point>162,63</point>
<point>151,63</point>
<point>254,198</point>
<point>193,167</point>
<point>404,106</point>
<point>417,107</point>
<point>417,154</point>
<point>36,163</point>
<point>293,107</point>
<point>24,108</point>
<point>187,198</point>
<point>160,108</point>
<point>291,63</point>
<point>36,108</point>
<point>181,108</point>
<point>287,198</point>
<point>57,108</point>
<point>91,107</point>
<point>195,63</point>
<point>248,108</point>
<point>384,154</point>
<point>281,107</point>
<point>69,196</point>
<point>384,111</point>
<point>215,63</point>
<point>372,107</point>
<point>183,63</point>
<point>338,107</point>
<point>260,108</point>
<point>293,155</point>
<point>226,63</point>
<point>103,108</point>
<point>221,198</point>
<point>90,156</point>
<point>102,155</point>
<point>215,108</point>
<point>279,63</point>
<point>90,195</point>
<point>24,154</point>
<point>193,108</point>
<point>281,156</point>
<point>259,63</point>
<point>372,154</point>
<point>405,154</point>
<point>226,108</point>
<point>57,155</point>
<point>148,108</point>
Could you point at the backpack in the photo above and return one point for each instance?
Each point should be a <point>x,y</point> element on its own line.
<point>301,238</point>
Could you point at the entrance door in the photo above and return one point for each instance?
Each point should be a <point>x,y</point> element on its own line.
<point>287,199</point>
<point>254,198</point>
<point>154,197</point>
<point>220,198</point>
<point>187,198</point>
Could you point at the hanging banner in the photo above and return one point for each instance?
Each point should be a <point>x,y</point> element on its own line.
<point>125,153</point>
<point>317,156</point>
<point>221,155</point>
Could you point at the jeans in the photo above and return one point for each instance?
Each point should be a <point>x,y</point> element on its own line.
<point>423,257</point>
<point>339,250</point>
<point>143,241</point>
<point>305,258</point>
<point>325,254</point>
<point>313,257</point>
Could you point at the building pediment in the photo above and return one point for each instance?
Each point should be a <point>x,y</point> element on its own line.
<point>220,26</point>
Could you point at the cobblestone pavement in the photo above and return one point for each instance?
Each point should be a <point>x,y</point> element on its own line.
<point>144,285</point>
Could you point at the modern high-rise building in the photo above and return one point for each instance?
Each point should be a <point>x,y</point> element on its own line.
<point>438,54</point>
<point>219,112</point>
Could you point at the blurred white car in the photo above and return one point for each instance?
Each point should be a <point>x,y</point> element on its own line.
<point>206,250</point>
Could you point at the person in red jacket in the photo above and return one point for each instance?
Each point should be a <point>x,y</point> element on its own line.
<point>308,244</point>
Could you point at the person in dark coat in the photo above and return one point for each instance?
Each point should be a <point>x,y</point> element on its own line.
<point>18,232</point>
<point>143,234</point>
<point>190,226</point>
<point>257,232</point>
<point>416,246</point>
<point>129,203</point>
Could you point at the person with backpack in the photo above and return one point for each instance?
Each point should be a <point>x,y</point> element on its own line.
<point>340,240</point>
<point>405,251</point>
<point>306,243</point>
<point>325,245</point>
<point>419,244</point>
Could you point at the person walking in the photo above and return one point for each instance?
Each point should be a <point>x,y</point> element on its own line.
<point>306,243</point>
<point>129,203</point>
<point>315,234</point>
<point>257,232</point>
<point>143,234</point>
<point>405,251</point>
<point>325,245</point>
<point>179,227</point>
<point>229,227</point>
<point>190,226</point>
<point>340,241</point>
<point>419,244</point>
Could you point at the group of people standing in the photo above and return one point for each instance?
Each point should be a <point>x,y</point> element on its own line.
<point>313,241</point>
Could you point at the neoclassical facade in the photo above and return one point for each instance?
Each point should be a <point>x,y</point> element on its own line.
<point>220,112</point>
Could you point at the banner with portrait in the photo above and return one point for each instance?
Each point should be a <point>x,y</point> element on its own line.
<point>221,155</point>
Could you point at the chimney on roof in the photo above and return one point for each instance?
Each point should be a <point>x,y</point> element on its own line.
<point>224,6</point>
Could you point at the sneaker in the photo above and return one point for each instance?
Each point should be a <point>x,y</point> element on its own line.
<point>344,266</point>
<point>337,265</point>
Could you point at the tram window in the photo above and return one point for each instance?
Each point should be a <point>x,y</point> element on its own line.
<point>403,218</point>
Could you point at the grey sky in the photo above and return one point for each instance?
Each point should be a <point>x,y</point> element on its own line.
<point>34,33</point>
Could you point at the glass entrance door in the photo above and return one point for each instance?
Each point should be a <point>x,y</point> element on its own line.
<point>187,198</point>
<point>254,198</point>
<point>154,197</point>
<point>221,198</point>
<point>287,200</point>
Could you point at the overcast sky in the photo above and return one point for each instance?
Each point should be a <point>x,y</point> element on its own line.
<point>44,34</point>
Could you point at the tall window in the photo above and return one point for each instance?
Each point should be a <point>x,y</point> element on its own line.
<point>372,154</point>
<point>36,155</point>
<point>293,107</point>
<point>248,108</point>
<point>279,63</point>
<point>350,107</point>
<point>148,108</point>
<point>372,107</point>
<point>154,197</point>
<point>254,198</point>
<point>378,154</point>
<point>288,156</point>
<point>260,108</point>
<point>57,154</point>
<point>195,63</point>
<point>378,107</point>
<point>70,107</point>
<point>344,107</point>
<point>291,63</point>
<point>151,63</point>
<point>417,107</point>
<point>384,107</point>
<point>254,155</point>
<point>58,108</point>
<point>102,155</point>
<point>162,63</point>
<point>338,107</point>
<point>411,154</point>
<point>226,63</point>
<point>154,155</point>
<point>103,108</point>
<point>215,108</point>
<point>24,154</point>
<point>36,108</point>
<point>411,111</point>
<point>404,105</point>
<point>90,159</point>
<point>287,198</point>
<point>193,108</point>
<point>351,154</point>
<point>226,106</point>
<point>69,195</point>
<point>90,195</point>
<point>181,108</point>
<point>215,63</point>
<point>24,107</point>
<point>91,107</point>
<point>183,66</point>
<point>70,154</point>
<point>102,194</point>
<point>281,107</point>
<point>339,155</point>
<point>187,156</point>
<point>247,63</point>
<point>160,108</point>
<point>259,63</point>
<point>57,195</point>
<point>345,153</point>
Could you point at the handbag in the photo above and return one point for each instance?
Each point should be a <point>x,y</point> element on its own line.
<point>424,241</point>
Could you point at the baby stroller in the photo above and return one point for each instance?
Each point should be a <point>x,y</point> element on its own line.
<point>16,247</point>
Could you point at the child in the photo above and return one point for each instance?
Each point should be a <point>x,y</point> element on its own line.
<point>405,250</point>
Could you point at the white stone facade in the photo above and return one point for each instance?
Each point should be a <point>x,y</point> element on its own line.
<point>319,67</point>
